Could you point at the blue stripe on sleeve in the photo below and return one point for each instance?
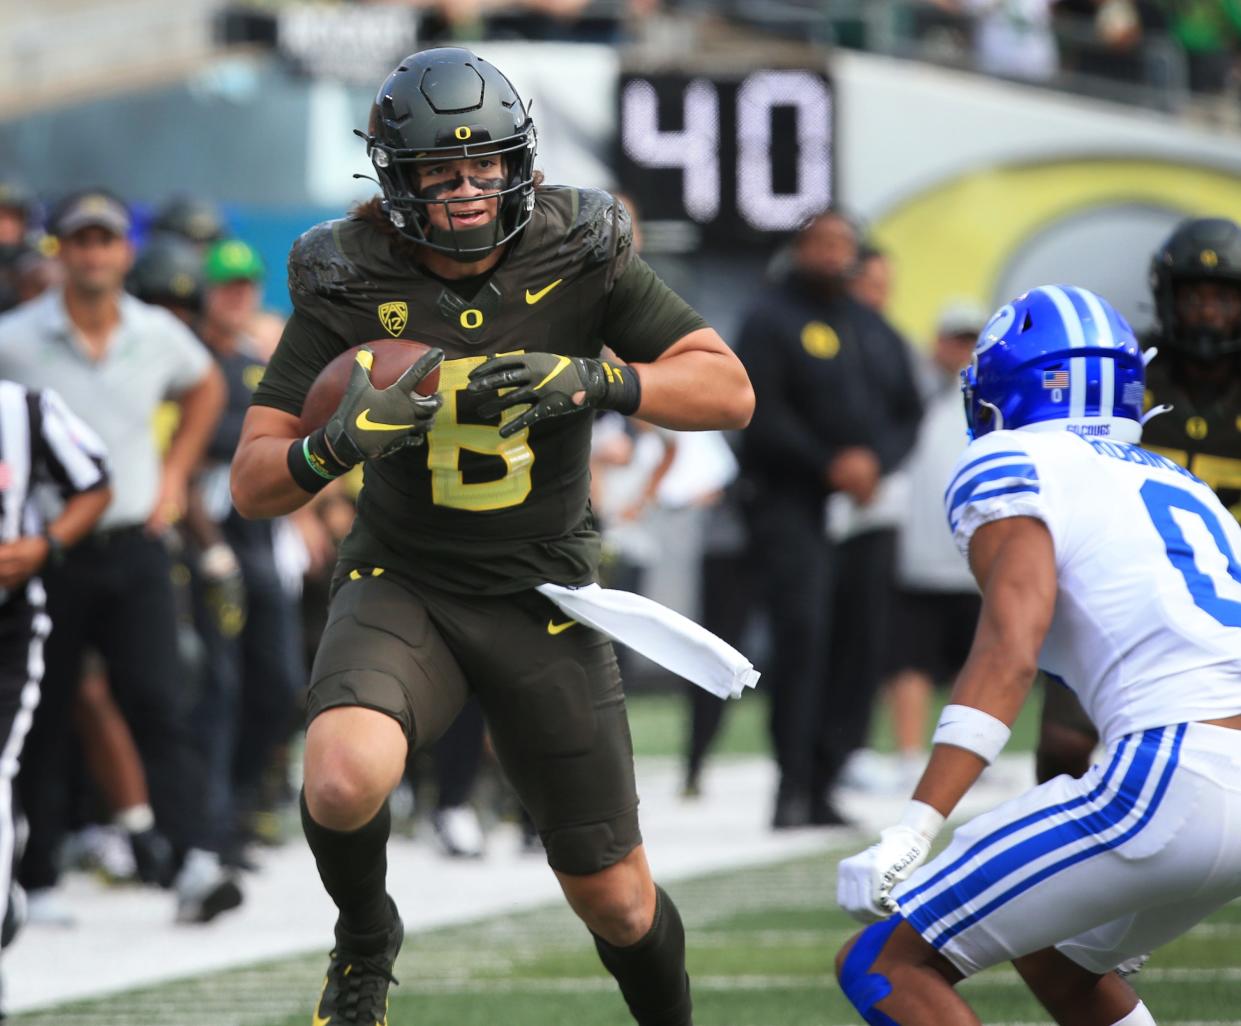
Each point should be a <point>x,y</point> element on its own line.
<point>1024,471</point>
<point>1008,453</point>
<point>1025,486</point>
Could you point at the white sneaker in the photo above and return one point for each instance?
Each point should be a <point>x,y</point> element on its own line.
<point>459,831</point>
<point>45,906</point>
<point>870,772</point>
<point>203,888</point>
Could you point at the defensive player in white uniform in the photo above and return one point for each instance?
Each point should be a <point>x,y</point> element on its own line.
<point>1119,573</point>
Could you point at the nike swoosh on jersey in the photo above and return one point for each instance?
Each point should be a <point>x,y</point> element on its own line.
<point>366,424</point>
<point>534,297</point>
<point>557,628</point>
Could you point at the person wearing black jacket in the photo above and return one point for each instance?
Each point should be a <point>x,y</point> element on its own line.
<point>836,408</point>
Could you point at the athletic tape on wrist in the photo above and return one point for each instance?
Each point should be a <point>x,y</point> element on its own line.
<point>923,818</point>
<point>972,729</point>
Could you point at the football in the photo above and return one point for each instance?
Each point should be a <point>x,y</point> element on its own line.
<point>393,357</point>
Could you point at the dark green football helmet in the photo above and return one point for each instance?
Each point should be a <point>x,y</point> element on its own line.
<point>168,271</point>
<point>191,217</point>
<point>1200,249</point>
<point>449,104</point>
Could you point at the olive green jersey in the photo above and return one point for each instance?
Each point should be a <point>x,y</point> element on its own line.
<point>471,511</point>
<point>1204,437</point>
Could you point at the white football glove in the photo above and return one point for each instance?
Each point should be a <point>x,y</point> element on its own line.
<point>865,881</point>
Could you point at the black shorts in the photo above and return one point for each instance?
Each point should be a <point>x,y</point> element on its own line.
<point>551,695</point>
<point>933,631</point>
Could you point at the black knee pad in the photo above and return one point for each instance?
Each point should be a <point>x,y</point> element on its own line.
<point>592,847</point>
<point>380,651</point>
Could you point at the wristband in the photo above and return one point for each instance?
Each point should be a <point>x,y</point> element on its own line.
<point>972,729</point>
<point>311,465</point>
<point>624,394</point>
<point>55,549</point>
<point>923,818</point>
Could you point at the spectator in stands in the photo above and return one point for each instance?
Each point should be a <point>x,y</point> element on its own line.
<point>1012,38</point>
<point>1210,32</point>
<point>113,358</point>
<point>1105,37</point>
<point>822,369</point>
<point>937,601</point>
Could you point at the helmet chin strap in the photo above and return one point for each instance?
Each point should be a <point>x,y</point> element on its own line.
<point>995,413</point>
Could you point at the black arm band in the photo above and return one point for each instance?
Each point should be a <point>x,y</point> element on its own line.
<point>624,388</point>
<point>311,465</point>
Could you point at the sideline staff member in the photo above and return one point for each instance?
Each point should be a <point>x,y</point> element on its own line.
<point>41,442</point>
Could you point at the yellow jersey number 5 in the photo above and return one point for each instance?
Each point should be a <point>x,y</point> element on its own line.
<point>448,437</point>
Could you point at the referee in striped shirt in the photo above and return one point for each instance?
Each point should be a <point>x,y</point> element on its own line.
<point>42,446</point>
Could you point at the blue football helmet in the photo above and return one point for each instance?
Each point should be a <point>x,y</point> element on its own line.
<point>1056,358</point>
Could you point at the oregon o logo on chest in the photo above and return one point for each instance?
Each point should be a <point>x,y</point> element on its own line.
<point>820,340</point>
<point>1196,428</point>
<point>471,318</point>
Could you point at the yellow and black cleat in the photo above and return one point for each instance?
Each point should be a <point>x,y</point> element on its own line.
<point>355,989</point>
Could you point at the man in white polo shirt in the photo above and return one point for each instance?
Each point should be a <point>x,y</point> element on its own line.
<point>115,360</point>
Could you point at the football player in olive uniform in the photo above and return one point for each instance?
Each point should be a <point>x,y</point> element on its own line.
<point>1195,281</point>
<point>471,498</point>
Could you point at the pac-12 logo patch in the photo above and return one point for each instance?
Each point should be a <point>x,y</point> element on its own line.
<point>393,317</point>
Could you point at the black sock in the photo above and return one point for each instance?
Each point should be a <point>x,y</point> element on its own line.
<point>353,865</point>
<point>651,973</point>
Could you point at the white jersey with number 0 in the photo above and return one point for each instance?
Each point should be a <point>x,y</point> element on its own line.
<point>1147,624</point>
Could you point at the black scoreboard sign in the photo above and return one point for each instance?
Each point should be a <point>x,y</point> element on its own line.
<point>741,156</point>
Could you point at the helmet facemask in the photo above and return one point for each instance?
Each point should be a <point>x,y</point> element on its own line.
<point>408,201</point>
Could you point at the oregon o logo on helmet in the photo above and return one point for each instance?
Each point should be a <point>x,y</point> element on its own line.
<point>463,132</point>
<point>471,318</point>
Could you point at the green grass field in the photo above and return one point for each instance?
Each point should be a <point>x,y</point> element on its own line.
<point>761,943</point>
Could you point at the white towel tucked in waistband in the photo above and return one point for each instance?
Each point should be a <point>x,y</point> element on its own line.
<point>661,634</point>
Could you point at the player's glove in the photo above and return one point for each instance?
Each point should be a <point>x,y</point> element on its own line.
<point>865,881</point>
<point>370,423</point>
<point>549,384</point>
